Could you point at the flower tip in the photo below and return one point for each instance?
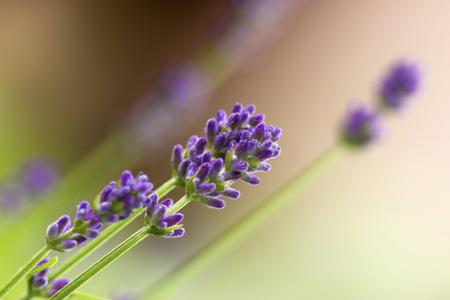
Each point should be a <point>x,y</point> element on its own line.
<point>177,233</point>
<point>126,178</point>
<point>400,83</point>
<point>57,285</point>
<point>215,203</point>
<point>361,126</point>
<point>237,108</point>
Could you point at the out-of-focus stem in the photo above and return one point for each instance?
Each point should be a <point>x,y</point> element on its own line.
<point>220,245</point>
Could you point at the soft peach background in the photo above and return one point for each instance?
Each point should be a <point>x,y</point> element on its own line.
<point>377,225</point>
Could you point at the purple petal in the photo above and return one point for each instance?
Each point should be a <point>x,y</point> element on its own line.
<point>177,233</point>
<point>126,178</point>
<point>174,219</point>
<point>215,203</point>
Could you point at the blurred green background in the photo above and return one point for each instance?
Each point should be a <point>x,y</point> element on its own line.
<point>375,226</point>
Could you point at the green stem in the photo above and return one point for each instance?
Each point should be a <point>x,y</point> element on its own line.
<point>24,271</point>
<point>242,228</point>
<point>111,256</point>
<point>177,206</point>
<point>108,233</point>
<point>83,296</point>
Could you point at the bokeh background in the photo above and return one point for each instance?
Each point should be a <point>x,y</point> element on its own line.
<point>75,78</point>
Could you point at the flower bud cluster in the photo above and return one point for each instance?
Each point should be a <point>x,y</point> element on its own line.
<point>235,146</point>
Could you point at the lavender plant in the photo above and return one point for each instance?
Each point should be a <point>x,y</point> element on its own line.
<point>178,95</point>
<point>234,147</point>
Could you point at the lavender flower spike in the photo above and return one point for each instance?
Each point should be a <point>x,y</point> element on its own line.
<point>62,235</point>
<point>159,223</point>
<point>116,202</point>
<point>399,84</point>
<point>361,126</point>
<point>118,199</point>
<point>234,146</point>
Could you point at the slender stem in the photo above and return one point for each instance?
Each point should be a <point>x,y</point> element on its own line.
<point>102,263</point>
<point>177,206</point>
<point>242,228</point>
<point>111,256</point>
<point>108,233</point>
<point>83,296</point>
<point>24,271</point>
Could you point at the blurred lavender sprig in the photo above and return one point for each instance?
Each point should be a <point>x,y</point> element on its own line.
<point>400,83</point>
<point>33,179</point>
<point>362,124</point>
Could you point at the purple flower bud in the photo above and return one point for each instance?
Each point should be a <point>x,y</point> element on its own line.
<point>203,171</point>
<point>231,193</point>
<point>174,219</point>
<point>206,157</point>
<point>241,148</point>
<point>53,231</point>
<point>40,282</point>
<point>57,285</point>
<point>361,126</point>
<point>211,130</point>
<point>234,120</point>
<point>399,84</point>
<point>182,169</point>
<point>126,178</point>
<point>68,244</point>
<point>204,188</point>
<point>64,224</point>
<point>167,202</point>
<point>221,115</point>
<point>215,203</point>
<point>191,170</point>
<point>264,154</point>
<point>250,109</point>
<point>256,119</point>
<point>264,166</point>
<point>260,131</point>
<point>237,108</point>
<point>252,179</point>
<point>177,156</point>
<point>161,225</point>
<point>177,233</point>
<point>107,190</point>
<point>84,211</point>
<point>191,141</point>
<point>200,145</point>
<point>239,166</point>
<point>276,134</point>
<point>216,168</point>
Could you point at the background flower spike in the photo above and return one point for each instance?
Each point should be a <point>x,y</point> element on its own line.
<point>400,83</point>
